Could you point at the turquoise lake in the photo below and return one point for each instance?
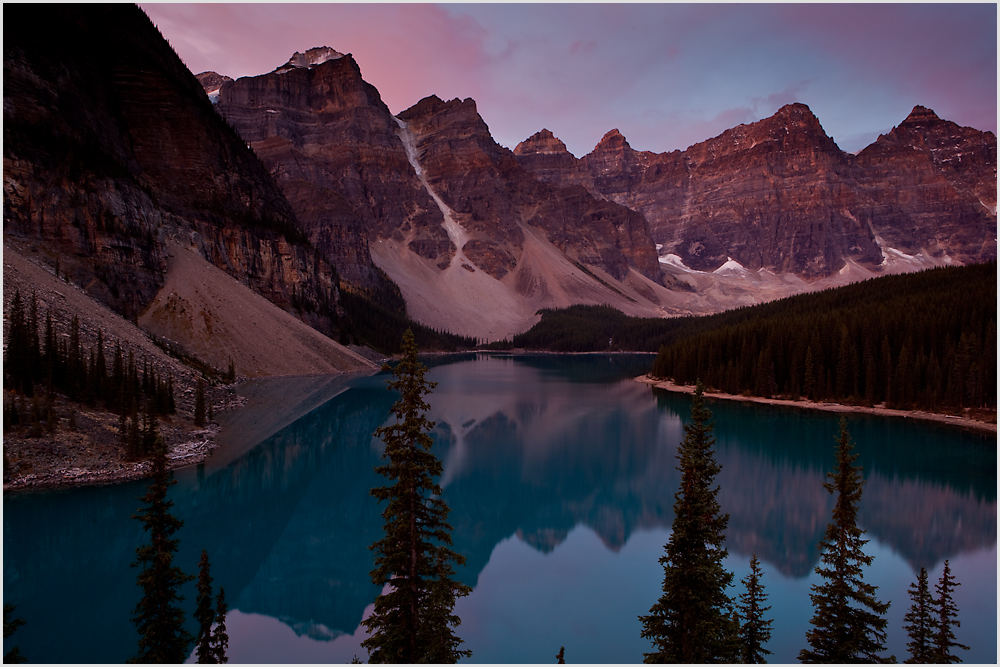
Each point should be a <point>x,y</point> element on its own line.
<point>559,472</point>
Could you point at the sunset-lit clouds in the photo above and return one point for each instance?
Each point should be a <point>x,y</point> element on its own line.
<point>667,76</point>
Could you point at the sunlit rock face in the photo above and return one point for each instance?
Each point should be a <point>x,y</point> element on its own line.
<point>780,195</point>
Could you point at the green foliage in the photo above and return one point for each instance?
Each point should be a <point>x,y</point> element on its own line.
<point>919,623</point>
<point>692,622</point>
<point>755,631</point>
<point>413,621</point>
<point>158,617</point>
<point>10,626</point>
<point>925,340</point>
<point>947,613</point>
<point>848,623</point>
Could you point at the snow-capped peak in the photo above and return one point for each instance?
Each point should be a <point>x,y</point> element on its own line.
<point>312,57</point>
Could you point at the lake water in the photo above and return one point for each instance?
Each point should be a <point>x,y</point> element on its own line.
<point>559,471</point>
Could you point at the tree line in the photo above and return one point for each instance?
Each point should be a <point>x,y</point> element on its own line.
<point>696,620</point>
<point>38,363</point>
<point>377,317</point>
<point>925,340</point>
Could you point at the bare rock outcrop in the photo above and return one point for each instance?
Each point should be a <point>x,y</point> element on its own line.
<point>780,195</point>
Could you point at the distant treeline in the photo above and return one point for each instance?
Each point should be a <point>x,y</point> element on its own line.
<point>594,329</point>
<point>37,361</point>
<point>925,340</point>
<point>377,317</point>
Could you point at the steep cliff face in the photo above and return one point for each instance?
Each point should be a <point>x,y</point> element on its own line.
<point>331,144</point>
<point>933,188</point>
<point>111,147</point>
<point>780,195</point>
<point>445,211</point>
<point>495,196</point>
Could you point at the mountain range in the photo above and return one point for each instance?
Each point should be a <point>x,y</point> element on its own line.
<point>456,220</point>
<point>300,185</point>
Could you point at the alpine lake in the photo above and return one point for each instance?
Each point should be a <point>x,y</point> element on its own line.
<point>560,474</point>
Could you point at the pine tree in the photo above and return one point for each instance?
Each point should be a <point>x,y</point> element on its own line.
<point>10,626</point>
<point>848,623</point>
<point>199,403</point>
<point>220,639</point>
<point>920,623</point>
<point>414,620</point>
<point>158,616</point>
<point>692,621</point>
<point>561,656</point>
<point>204,613</point>
<point>947,613</point>
<point>754,631</point>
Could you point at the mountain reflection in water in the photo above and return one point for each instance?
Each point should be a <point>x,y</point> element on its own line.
<point>534,448</point>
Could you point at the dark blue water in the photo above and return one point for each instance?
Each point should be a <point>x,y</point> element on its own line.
<point>559,471</point>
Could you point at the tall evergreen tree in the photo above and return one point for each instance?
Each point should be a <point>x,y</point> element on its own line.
<point>947,616</point>
<point>920,623</point>
<point>204,613</point>
<point>848,621</point>
<point>220,639</point>
<point>414,620</point>
<point>755,631</point>
<point>158,616</point>
<point>692,622</point>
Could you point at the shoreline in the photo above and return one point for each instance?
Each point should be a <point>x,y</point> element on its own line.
<point>949,420</point>
<point>190,447</point>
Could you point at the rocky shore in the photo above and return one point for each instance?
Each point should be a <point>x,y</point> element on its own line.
<point>969,422</point>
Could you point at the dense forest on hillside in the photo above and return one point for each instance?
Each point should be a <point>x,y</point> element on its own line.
<point>925,340</point>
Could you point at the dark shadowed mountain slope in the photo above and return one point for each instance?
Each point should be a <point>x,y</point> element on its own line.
<point>111,147</point>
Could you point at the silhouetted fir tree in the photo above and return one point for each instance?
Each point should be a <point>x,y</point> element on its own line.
<point>561,656</point>
<point>220,639</point>
<point>199,403</point>
<point>947,617</point>
<point>10,626</point>
<point>414,620</point>
<point>149,431</point>
<point>692,621</point>
<point>755,631</point>
<point>848,623</point>
<point>204,613</point>
<point>16,362</point>
<point>158,616</point>
<point>919,622</point>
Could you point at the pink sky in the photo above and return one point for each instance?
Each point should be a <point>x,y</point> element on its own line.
<point>667,76</point>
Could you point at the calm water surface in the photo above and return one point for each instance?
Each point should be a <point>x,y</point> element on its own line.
<point>559,471</point>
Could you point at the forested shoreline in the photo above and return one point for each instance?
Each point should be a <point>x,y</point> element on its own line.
<point>922,341</point>
<point>916,341</point>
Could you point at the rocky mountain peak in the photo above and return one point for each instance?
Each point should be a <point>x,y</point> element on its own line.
<point>540,142</point>
<point>312,57</point>
<point>612,141</point>
<point>212,83</point>
<point>921,116</point>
